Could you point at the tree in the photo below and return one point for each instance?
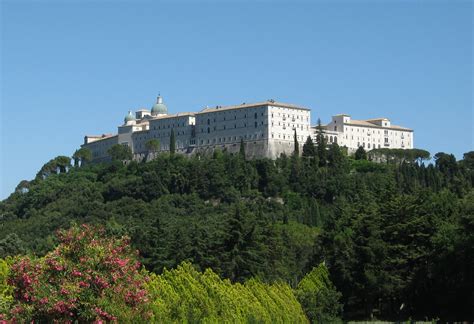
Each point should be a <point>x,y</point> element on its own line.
<point>152,146</point>
<point>60,163</point>
<point>88,277</point>
<point>172,142</point>
<point>335,156</point>
<point>242,149</point>
<point>11,245</point>
<point>309,150</point>
<point>82,156</point>
<point>319,297</point>
<point>446,163</point>
<point>119,152</point>
<point>360,154</point>
<point>296,150</point>
<point>321,144</point>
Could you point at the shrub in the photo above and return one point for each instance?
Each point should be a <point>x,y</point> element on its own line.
<point>88,277</point>
<point>184,295</point>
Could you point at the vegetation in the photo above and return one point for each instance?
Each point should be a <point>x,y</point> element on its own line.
<point>397,238</point>
<point>86,277</point>
<point>119,152</point>
<point>184,295</point>
<point>153,146</point>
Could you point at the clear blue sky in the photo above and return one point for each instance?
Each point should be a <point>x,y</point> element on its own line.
<point>70,69</point>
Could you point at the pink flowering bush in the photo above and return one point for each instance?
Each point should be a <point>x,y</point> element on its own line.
<point>89,277</point>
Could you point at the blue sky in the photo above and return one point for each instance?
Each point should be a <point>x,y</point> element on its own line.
<point>76,68</point>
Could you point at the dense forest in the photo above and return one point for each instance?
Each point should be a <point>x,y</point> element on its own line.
<point>397,236</point>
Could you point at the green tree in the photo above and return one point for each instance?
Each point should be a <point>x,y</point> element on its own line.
<point>152,146</point>
<point>319,297</point>
<point>242,149</point>
<point>296,150</point>
<point>360,154</point>
<point>11,245</point>
<point>309,150</point>
<point>119,152</point>
<point>82,156</point>
<point>321,144</point>
<point>336,158</point>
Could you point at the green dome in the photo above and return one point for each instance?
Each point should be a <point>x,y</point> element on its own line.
<point>159,108</point>
<point>129,117</point>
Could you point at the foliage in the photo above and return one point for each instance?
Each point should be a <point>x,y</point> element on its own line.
<point>360,154</point>
<point>399,155</point>
<point>318,296</point>
<point>296,150</point>
<point>6,290</point>
<point>184,295</point>
<point>59,164</point>
<point>82,156</point>
<point>87,277</point>
<point>119,152</point>
<point>390,233</point>
<point>321,142</point>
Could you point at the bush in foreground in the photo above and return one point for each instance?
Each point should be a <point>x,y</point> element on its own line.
<point>184,295</point>
<point>88,277</point>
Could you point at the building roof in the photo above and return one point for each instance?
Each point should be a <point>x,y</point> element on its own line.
<point>376,119</point>
<point>257,104</point>
<point>101,136</point>
<point>367,123</point>
<point>181,114</point>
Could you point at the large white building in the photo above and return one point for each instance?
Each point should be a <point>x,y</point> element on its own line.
<point>370,133</point>
<point>267,129</point>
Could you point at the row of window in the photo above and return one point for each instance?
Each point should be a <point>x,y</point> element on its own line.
<point>386,132</point>
<point>230,139</point>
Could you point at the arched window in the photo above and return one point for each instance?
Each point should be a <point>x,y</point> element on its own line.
<point>208,130</point>
<point>335,139</point>
<point>330,139</point>
<point>208,121</point>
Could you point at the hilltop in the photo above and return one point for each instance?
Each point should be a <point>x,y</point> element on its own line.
<point>391,234</point>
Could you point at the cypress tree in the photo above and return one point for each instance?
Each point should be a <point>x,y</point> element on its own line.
<point>321,148</point>
<point>296,151</point>
<point>242,149</point>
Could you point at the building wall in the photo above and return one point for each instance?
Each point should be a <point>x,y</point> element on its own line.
<point>267,130</point>
<point>374,136</point>
<point>282,124</point>
<point>100,147</point>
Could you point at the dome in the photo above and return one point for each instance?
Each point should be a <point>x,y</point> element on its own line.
<point>159,108</point>
<point>129,117</point>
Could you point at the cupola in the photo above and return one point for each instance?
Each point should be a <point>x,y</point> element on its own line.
<point>129,117</point>
<point>159,108</point>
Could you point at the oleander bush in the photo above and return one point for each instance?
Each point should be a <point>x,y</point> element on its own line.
<point>87,277</point>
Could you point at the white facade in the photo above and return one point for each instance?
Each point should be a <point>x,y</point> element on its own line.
<point>267,129</point>
<point>370,133</point>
